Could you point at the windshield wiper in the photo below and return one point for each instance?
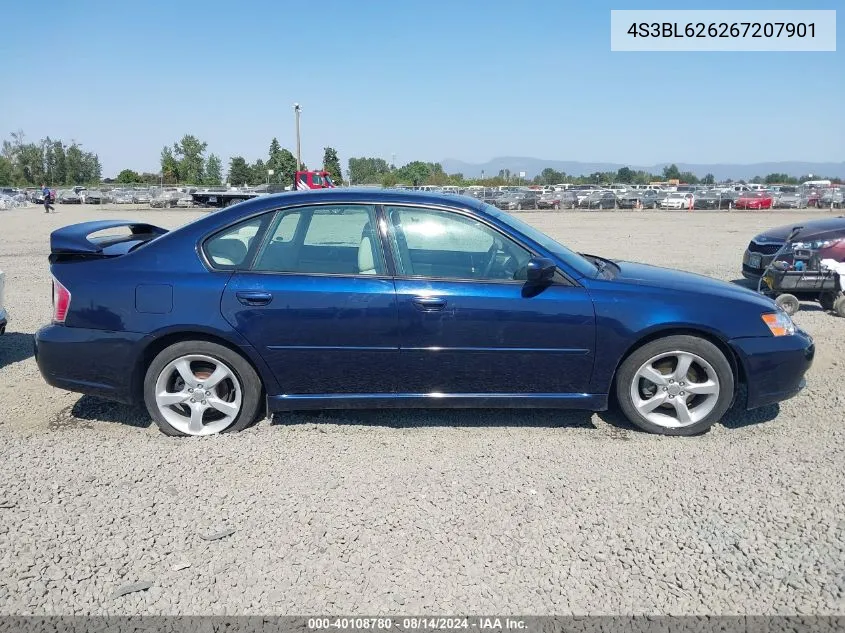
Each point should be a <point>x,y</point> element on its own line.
<point>601,263</point>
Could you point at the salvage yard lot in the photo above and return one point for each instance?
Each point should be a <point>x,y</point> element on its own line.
<point>422,511</point>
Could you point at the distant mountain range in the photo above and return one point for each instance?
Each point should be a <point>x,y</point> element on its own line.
<point>722,171</point>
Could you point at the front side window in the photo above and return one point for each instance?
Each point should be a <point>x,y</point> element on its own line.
<point>331,239</point>
<point>446,245</point>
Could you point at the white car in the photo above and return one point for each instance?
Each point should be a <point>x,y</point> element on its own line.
<point>677,200</point>
<point>4,317</point>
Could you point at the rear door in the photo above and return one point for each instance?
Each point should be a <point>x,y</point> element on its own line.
<point>317,302</point>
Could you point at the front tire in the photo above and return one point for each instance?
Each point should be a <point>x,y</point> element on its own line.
<point>201,388</point>
<point>677,385</point>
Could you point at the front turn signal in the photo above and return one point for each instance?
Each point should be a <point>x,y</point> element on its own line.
<point>779,323</point>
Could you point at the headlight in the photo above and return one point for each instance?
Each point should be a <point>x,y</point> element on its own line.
<point>779,323</point>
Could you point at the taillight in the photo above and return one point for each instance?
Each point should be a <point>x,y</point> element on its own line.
<point>61,301</point>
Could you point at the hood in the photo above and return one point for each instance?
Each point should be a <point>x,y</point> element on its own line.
<point>656,277</point>
<point>814,229</point>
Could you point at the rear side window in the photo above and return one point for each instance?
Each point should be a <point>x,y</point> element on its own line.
<point>329,240</point>
<point>231,248</point>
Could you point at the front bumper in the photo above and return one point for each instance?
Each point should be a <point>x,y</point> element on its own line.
<point>94,362</point>
<point>774,367</point>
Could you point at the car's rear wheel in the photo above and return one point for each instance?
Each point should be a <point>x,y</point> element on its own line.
<point>201,388</point>
<point>826,300</point>
<point>678,385</point>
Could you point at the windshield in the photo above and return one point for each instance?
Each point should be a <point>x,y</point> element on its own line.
<point>579,264</point>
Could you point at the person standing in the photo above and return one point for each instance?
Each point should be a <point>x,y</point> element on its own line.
<point>48,198</point>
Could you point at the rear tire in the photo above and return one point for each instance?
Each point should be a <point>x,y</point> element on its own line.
<point>231,404</point>
<point>827,300</point>
<point>705,389</point>
<point>789,303</point>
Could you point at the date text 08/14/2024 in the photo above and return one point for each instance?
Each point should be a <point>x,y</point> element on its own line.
<point>416,623</point>
<point>722,30</point>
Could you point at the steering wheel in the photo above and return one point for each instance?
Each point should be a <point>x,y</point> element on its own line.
<point>494,249</point>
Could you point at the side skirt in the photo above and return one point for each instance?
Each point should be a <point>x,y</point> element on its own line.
<point>304,402</point>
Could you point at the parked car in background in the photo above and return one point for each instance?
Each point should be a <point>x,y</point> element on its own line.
<point>67,196</point>
<point>120,196</point>
<point>141,197</point>
<point>790,200</point>
<point>91,196</point>
<point>550,200</point>
<point>713,199</point>
<point>186,200</point>
<point>824,238</point>
<point>568,199</point>
<point>165,198</point>
<point>642,198</point>
<point>247,311</point>
<point>4,316</point>
<point>831,197</point>
<point>517,200</point>
<point>677,200</point>
<point>754,200</point>
<point>599,200</point>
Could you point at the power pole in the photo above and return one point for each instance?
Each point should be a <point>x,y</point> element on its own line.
<point>297,109</point>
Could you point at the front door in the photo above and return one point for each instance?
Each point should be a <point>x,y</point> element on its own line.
<point>318,304</point>
<point>470,325</point>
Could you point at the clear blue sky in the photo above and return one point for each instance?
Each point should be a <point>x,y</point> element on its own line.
<point>466,79</point>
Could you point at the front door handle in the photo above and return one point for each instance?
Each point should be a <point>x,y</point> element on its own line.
<point>429,304</point>
<point>254,297</point>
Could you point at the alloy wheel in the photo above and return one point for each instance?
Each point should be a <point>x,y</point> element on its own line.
<point>675,389</point>
<point>198,394</point>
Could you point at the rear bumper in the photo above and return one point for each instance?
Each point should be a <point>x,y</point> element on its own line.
<point>774,367</point>
<point>93,362</point>
<point>4,320</point>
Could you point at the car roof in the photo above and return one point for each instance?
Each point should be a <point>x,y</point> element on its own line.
<point>349,195</point>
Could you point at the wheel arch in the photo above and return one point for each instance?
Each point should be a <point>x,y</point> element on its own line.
<point>733,359</point>
<point>162,341</point>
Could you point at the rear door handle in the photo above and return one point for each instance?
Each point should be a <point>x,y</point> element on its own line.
<point>429,304</point>
<point>254,297</point>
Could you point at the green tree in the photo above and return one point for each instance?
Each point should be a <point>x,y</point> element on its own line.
<point>688,177</point>
<point>367,171</point>
<point>128,177</point>
<point>6,172</point>
<point>709,179</point>
<point>169,166</point>
<point>239,171</point>
<point>190,152</point>
<point>671,172</point>
<point>331,164</point>
<point>259,172</point>
<point>625,175</point>
<point>415,173</point>
<point>213,171</point>
<point>59,162</point>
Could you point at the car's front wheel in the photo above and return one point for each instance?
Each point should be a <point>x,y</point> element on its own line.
<point>677,385</point>
<point>201,388</point>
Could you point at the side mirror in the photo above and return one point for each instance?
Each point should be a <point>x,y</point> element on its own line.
<point>540,269</point>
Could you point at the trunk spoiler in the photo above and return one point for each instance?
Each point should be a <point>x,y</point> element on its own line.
<point>73,239</point>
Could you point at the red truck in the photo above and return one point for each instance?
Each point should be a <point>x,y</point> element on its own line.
<point>227,197</point>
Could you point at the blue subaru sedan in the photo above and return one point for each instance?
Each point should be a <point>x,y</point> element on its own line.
<point>361,298</point>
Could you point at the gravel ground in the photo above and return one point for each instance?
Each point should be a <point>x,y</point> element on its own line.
<point>422,512</point>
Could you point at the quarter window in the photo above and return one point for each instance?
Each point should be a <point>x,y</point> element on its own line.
<point>230,248</point>
<point>441,244</point>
